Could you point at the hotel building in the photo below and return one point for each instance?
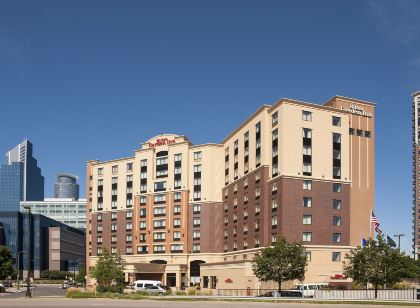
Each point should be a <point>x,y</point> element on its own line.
<point>188,214</point>
<point>416,174</point>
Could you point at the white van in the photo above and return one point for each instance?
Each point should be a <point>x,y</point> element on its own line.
<point>141,285</point>
<point>308,289</point>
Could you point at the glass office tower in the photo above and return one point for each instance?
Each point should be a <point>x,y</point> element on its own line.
<point>20,178</point>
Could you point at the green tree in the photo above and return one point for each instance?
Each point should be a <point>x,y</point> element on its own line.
<point>80,277</point>
<point>6,262</point>
<point>108,273</point>
<point>282,262</point>
<point>378,264</point>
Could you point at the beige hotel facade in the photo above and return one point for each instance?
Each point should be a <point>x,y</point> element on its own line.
<point>197,214</point>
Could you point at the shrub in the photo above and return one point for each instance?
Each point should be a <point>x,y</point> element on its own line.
<point>192,291</point>
<point>118,288</point>
<point>58,275</point>
<point>75,293</point>
<point>180,293</point>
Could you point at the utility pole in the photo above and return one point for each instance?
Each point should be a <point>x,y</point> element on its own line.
<point>28,279</point>
<point>399,239</point>
<point>18,268</point>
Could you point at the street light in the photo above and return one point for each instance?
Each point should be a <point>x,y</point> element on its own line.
<point>28,281</point>
<point>399,239</point>
<point>18,268</point>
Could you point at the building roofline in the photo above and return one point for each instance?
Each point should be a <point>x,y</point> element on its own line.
<point>308,104</point>
<point>252,116</point>
<point>350,99</point>
<point>98,162</point>
<point>415,93</point>
<point>68,175</point>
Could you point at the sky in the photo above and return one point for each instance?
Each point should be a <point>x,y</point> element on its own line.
<point>94,79</point>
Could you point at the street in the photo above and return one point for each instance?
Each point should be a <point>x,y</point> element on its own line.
<point>7,302</point>
<point>39,290</point>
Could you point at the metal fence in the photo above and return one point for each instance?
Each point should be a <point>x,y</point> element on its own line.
<point>407,294</point>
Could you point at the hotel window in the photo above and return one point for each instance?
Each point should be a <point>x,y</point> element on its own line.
<point>226,206</point>
<point>225,234</point>
<point>143,200</point>
<point>274,204</point>
<point>306,115</point>
<point>113,215</point>
<point>100,182</point>
<point>246,167</point>
<point>161,173</point>
<point>160,186</point>
<point>196,235</point>
<point>197,155</point>
<point>177,170</point>
<point>129,178</point>
<point>336,204</point>
<point>308,255</point>
<point>177,235</point>
<point>274,188</point>
<point>99,239</point>
<point>245,244</point>
<point>257,225</point>
<point>336,121</point>
<point>336,256</point>
<point>257,176</point>
<point>196,222</point>
<point>274,222</point>
<point>235,246</point>
<point>143,163</point>
<point>235,217</point>
<point>113,239</point>
<point>245,229</point>
<point>246,197</point>
<point>274,118</point>
<point>160,198</point>
<point>113,227</point>
<point>114,180</point>
<point>128,214</point>
<point>257,242</point>
<point>337,187</point>
<point>128,238</point>
<point>258,144</point>
<point>275,159</point>
<point>196,208</point>
<point>142,249</point>
<point>159,248</point>
<point>100,171</point>
<point>142,225</point>
<point>157,211</point>
<point>307,151</point>
<point>336,221</point>
<point>245,213</point>
<point>129,250</point>
<point>159,236</point>
<point>177,248</point>
<point>143,175</point>
<point>129,166</point>
<point>235,202</point>
<point>196,247</point>
<point>245,182</point>
<point>359,132</point>
<point>114,169</point>
<point>336,156</point>
<point>367,134</point>
<point>177,157</point>
<point>177,209</point>
<point>177,222</point>
<point>99,217</point>
<point>99,251</point>
<point>177,196</point>
<point>336,237</point>
<point>351,131</point>
<point>129,202</point>
<point>197,195</point>
<point>225,220</point>
<point>197,183</point>
<point>159,224</point>
<point>307,236</point>
<point>273,238</point>
<point>307,185</point>
<point>235,187</point>
<point>257,192</point>
<point>307,202</point>
<point>307,219</point>
<point>177,184</point>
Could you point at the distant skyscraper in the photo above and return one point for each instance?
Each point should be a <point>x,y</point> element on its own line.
<point>20,178</point>
<point>66,186</point>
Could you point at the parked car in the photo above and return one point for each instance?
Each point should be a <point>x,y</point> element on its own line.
<point>141,285</point>
<point>7,284</point>
<point>2,288</point>
<point>155,290</point>
<point>308,289</point>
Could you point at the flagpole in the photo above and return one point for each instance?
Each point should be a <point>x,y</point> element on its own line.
<point>370,224</point>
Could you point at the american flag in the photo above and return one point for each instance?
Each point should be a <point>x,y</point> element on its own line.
<point>374,220</point>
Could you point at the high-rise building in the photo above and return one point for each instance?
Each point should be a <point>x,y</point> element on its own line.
<point>416,175</point>
<point>66,186</point>
<point>20,178</point>
<point>188,214</point>
<point>65,210</point>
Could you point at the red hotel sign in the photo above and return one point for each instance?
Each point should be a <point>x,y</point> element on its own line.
<point>160,142</point>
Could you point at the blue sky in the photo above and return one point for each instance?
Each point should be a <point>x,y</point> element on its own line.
<point>93,79</point>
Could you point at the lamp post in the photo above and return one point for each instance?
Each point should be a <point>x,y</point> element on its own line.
<point>28,280</point>
<point>18,268</point>
<point>399,239</point>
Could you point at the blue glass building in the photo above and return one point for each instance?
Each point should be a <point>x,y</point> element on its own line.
<point>20,178</point>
